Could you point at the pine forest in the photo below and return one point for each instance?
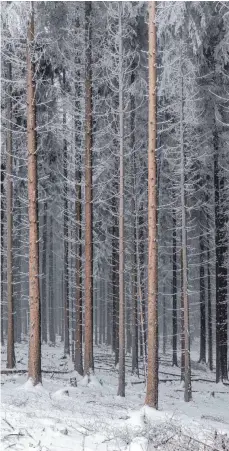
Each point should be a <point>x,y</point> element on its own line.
<point>114,225</point>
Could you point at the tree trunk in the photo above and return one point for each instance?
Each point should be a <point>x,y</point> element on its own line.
<point>66,278</point>
<point>17,294</point>
<point>140,297</point>
<point>52,337</point>
<point>3,169</point>
<point>221,269</point>
<point>34,365</point>
<point>109,318</point>
<point>79,313</point>
<point>182,324</point>
<point>100,313</point>
<point>141,282</point>
<point>202,303</point>
<point>115,281</point>
<point>174,290</point>
<point>164,323</point>
<point>152,376</point>
<point>96,312</point>
<point>9,200</point>
<point>187,361</point>
<point>134,296</point>
<point>121,381</point>
<point>44,300</point>
<point>88,352</point>
<point>210,352</point>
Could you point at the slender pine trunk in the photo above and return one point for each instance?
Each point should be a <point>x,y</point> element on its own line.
<point>79,313</point>
<point>221,269</point>
<point>115,281</point>
<point>34,365</point>
<point>66,275</point>
<point>152,376</point>
<point>210,350</point>
<point>164,323</point>
<point>182,341</point>
<point>43,287</point>
<point>202,302</point>
<point>9,201</point>
<point>3,169</point>
<point>52,337</point>
<point>88,352</point>
<point>121,381</point>
<point>187,360</point>
<point>174,290</point>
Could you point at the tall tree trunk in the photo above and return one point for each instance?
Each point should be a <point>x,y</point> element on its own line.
<point>134,300</point>
<point>66,276</point>
<point>152,376</point>
<point>51,288</point>
<point>134,307</point>
<point>164,323</point>
<point>9,199</point>
<point>79,313</point>
<point>182,342</point>
<point>174,290</point>
<point>140,296</point>
<point>17,295</point>
<point>100,312</point>
<point>121,381</point>
<point>115,281</point>
<point>88,352</point>
<point>141,282</point>
<point>96,312</point>
<point>109,312</point>
<point>210,352</point>
<point>34,365</point>
<point>44,257</point>
<point>187,360</point>
<point>3,169</point>
<point>221,269</point>
<point>202,303</point>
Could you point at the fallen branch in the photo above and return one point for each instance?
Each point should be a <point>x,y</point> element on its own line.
<point>18,434</point>
<point>7,422</point>
<point>201,443</point>
<point>15,371</point>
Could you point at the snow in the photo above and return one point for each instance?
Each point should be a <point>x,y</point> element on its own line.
<point>55,416</point>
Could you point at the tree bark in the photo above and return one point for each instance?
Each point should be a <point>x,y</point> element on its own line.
<point>79,313</point>
<point>164,323</point>
<point>141,282</point>
<point>9,200</point>
<point>34,364</point>
<point>115,281</point>
<point>210,351</point>
<point>88,352</point>
<point>3,169</point>
<point>182,342</point>
<point>44,300</point>
<point>66,277</point>
<point>187,361</point>
<point>121,381</point>
<point>152,376</point>
<point>134,300</point>
<point>17,292</point>
<point>221,269</point>
<point>52,337</point>
<point>202,303</point>
<point>174,290</point>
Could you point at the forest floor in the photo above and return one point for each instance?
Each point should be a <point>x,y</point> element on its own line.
<point>57,416</point>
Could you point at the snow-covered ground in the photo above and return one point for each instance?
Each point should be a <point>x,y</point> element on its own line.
<point>57,416</point>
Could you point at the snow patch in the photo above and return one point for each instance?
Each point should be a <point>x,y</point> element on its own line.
<point>140,444</point>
